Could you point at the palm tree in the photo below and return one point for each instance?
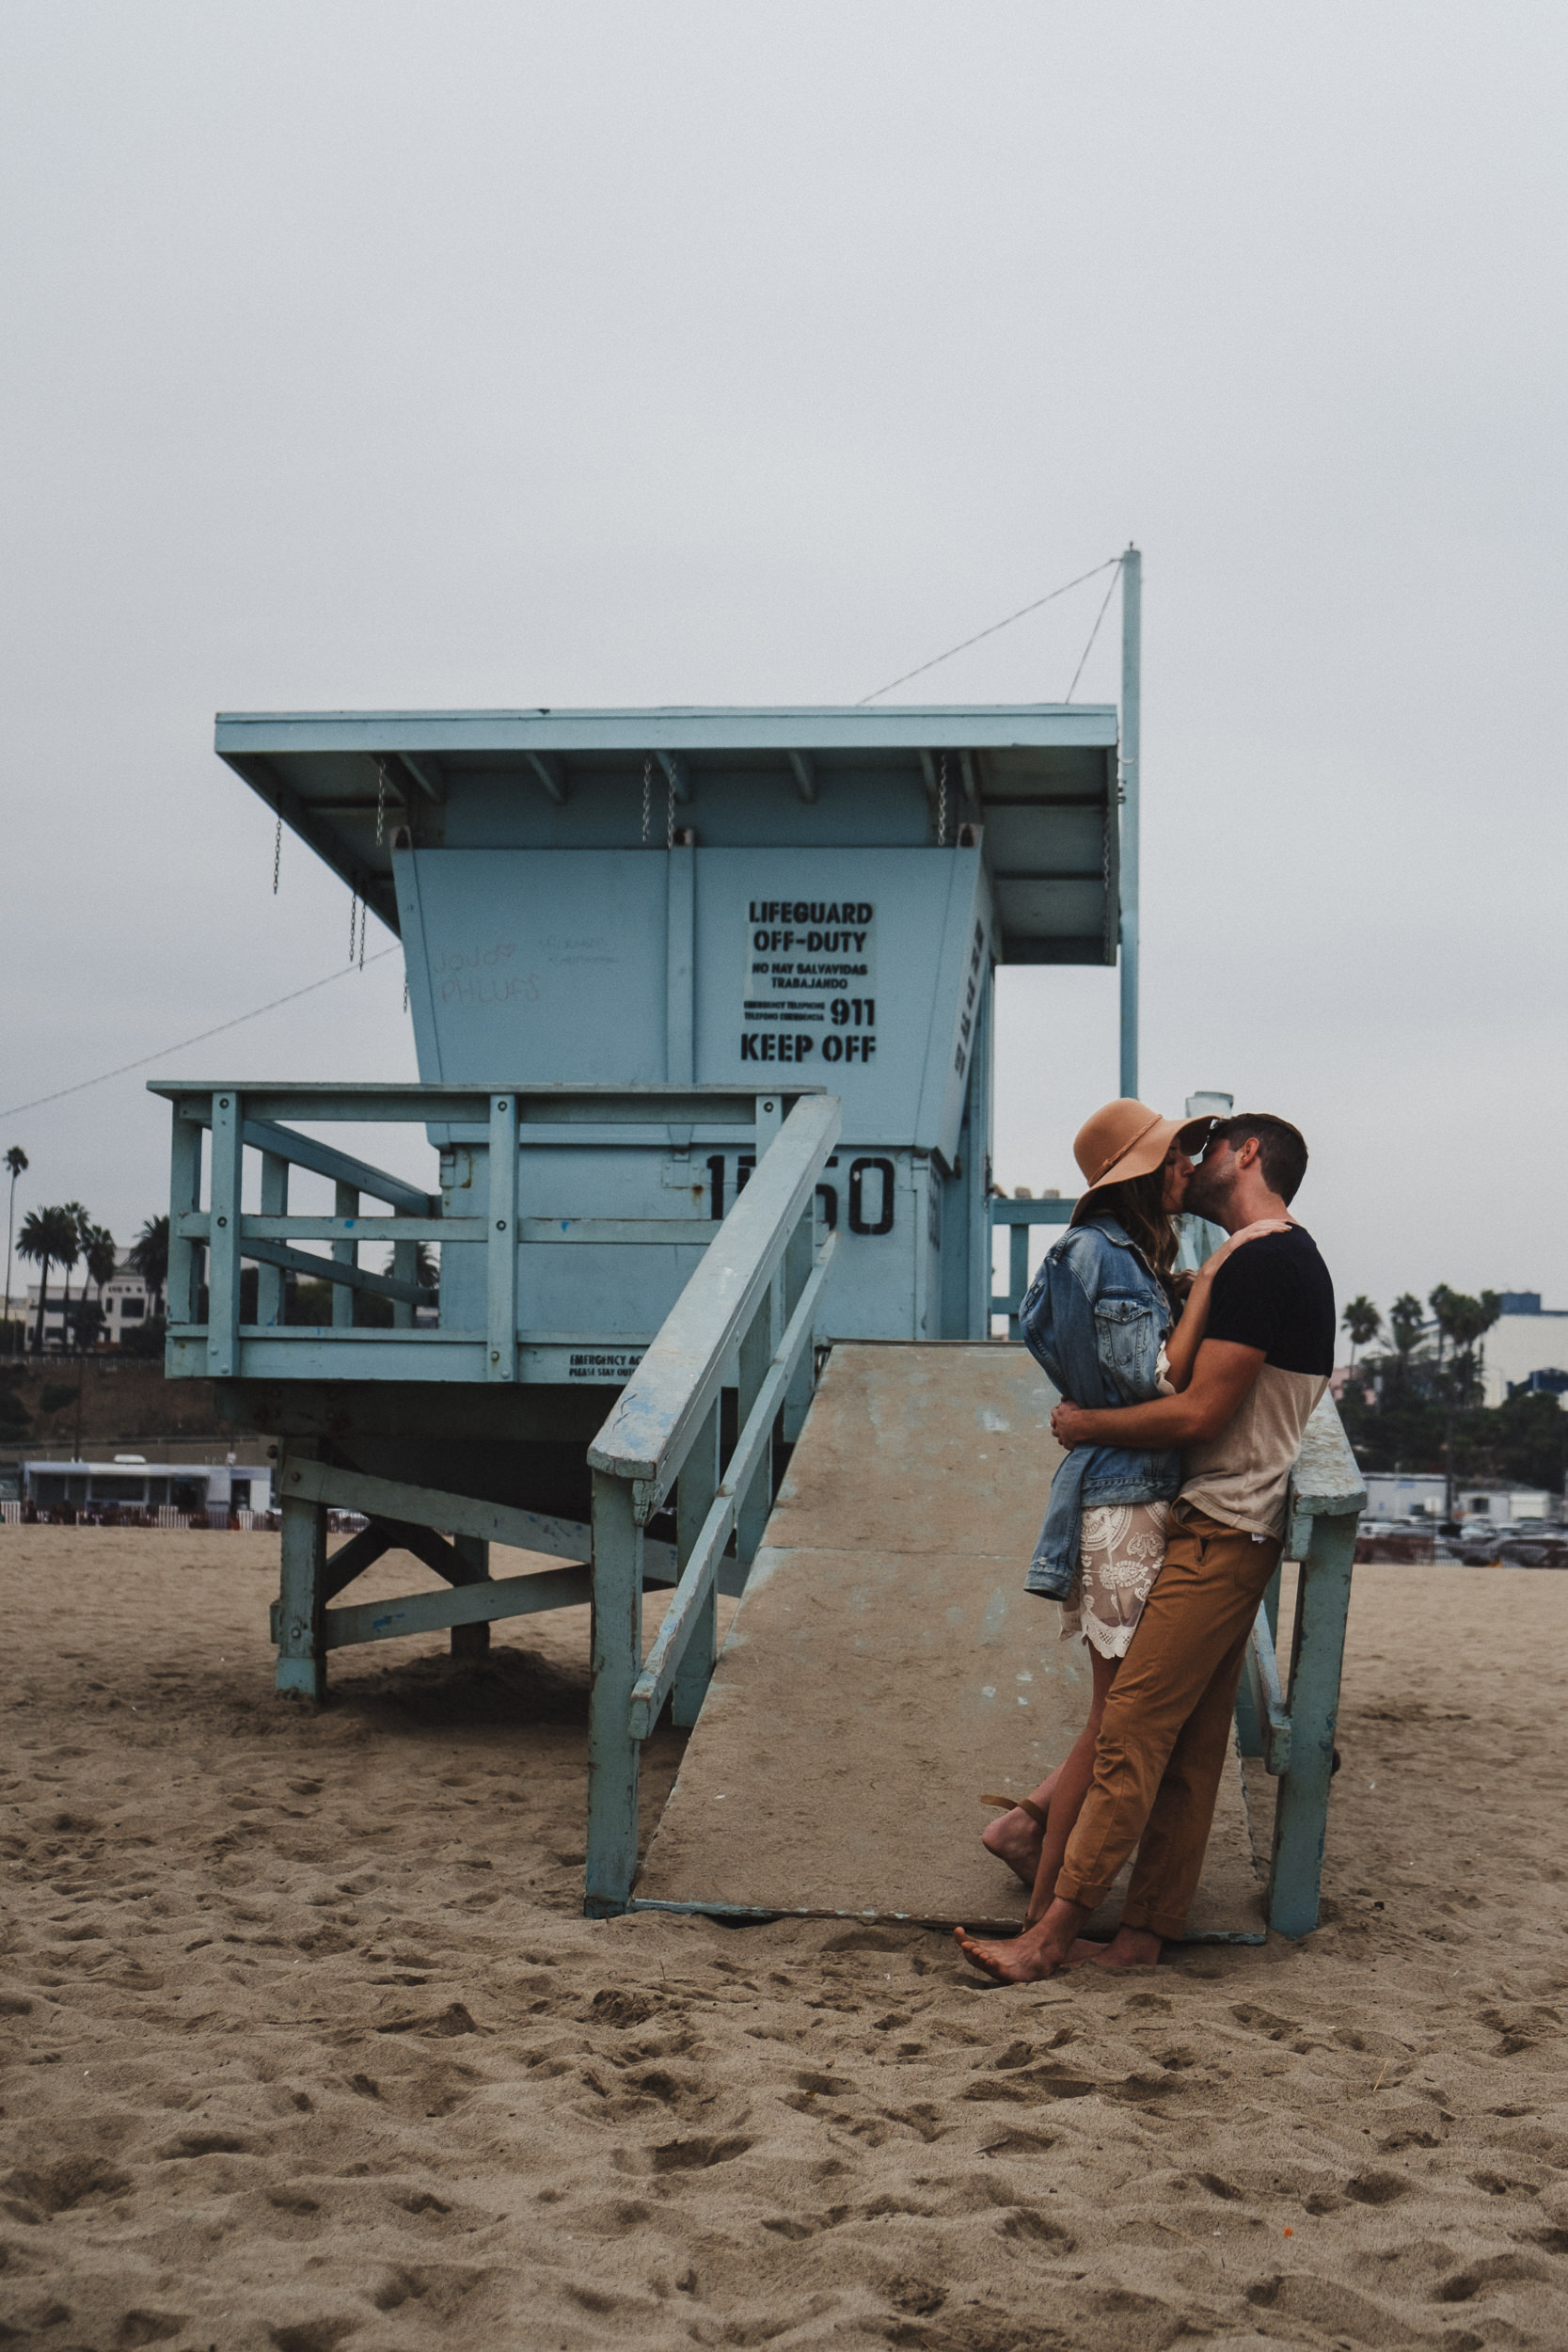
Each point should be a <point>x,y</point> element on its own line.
<point>102,1259</point>
<point>48,1237</point>
<point>1406,1323</point>
<point>16,1160</point>
<point>1363,1322</point>
<point>81,1227</point>
<point>1462,1321</point>
<point>150,1257</point>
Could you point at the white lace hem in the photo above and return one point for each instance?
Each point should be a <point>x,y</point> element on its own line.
<point>1121,1550</point>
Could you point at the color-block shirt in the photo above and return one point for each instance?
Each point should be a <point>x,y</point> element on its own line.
<point>1274,1294</point>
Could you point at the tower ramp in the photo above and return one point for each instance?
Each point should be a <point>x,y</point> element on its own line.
<point>885,1664</point>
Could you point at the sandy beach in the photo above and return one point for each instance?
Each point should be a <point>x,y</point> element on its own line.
<point>309,2045</point>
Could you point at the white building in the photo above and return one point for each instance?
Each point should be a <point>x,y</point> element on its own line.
<point>126,1303</point>
<point>1503,1506</point>
<point>1422,1495</point>
<point>1405,1495</point>
<point>135,1484</point>
<point>1527,1347</point>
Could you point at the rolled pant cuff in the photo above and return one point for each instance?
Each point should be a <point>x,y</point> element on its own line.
<point>1074,1890</point>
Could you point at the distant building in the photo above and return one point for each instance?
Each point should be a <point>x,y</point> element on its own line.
<point>1527,1348</point>
<point>1504,1506</point>
<point>1405,1495</point>
<point>1423,1495</point>
<point>135,1483</point>
<point>126,1303</point>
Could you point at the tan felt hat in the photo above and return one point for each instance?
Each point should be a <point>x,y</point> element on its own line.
<point>1125,1139</point>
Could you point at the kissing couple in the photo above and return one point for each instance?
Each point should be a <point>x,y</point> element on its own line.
<point>1184,1401</point>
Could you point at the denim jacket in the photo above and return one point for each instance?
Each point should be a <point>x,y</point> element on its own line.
<point>1095,1317</point>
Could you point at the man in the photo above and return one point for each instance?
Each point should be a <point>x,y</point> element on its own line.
<point>1264,1365</point>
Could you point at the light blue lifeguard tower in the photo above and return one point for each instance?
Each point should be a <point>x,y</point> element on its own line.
<point>703,1006</point>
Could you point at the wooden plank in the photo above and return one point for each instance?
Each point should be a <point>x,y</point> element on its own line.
<point>679,963</point>
<point>405,1271</point>
<point>501,1259</point>
<point>426,1507</point>
<point>800,1259</point>
<point>754,1497</point>
<point>641,1232</point>
<point>223,1246</point>
<point>345,1256</point>
<point>472,1554</point>
<point>184,1194</point>
<point>264,1135</point>
<point>885,1665</point>
<point>737,1492</point>
<point>698,1486</point>
<point>613,1754</point>
<point>1326,1482</point>
<point>1317,1656</point>
<point>480,1604</point>
<point>1262,1725</point>
<point>390,1499</point>
<point>351,1559</point>
<point>274,1206</point>
<point>340,1271</point>
<point>364,1229</point>
<point>632,1230</point>
<point>301,1669</point>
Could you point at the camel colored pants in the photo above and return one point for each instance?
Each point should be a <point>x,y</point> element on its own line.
<point>1166,1726</point>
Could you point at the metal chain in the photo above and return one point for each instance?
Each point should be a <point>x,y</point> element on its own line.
<point>276,852</point>
<point>942,803</point>
<point>648,796</point>
<point>405,992</point>
<point>362,912</point>
<point>353,921</point>
<point>670,814</point>
<point>380,802</point>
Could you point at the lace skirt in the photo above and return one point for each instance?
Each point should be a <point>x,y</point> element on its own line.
<point>1119,1555</point>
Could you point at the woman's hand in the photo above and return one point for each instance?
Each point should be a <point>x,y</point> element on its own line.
<point>1248,1233</point>
<point>1067,1423</point>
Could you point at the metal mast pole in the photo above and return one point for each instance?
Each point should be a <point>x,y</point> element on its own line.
<point>1132,665</point>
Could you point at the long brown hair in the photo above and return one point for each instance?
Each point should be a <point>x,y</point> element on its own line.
<point>1139,1207</point>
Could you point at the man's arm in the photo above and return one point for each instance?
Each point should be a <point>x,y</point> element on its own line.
<point>1223,1373</point>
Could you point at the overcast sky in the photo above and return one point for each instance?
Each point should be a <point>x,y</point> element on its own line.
<point>402,356</point>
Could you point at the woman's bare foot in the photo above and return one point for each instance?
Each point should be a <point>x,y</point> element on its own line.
<point>1038,1952</point>
<point>1015,1839</point>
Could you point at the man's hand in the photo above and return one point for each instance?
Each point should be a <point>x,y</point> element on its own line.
<point>1067,1423</point>
<point>1223,1373</point>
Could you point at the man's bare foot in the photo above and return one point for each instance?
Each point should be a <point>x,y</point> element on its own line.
<point>1015,1839</point>
<point>1130,1947</point>
<point>1025,1959</point>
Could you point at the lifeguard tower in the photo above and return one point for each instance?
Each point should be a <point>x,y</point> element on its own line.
<point>703,1002</point>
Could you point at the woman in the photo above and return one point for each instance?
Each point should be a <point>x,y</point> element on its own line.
<point>1105,1318</point>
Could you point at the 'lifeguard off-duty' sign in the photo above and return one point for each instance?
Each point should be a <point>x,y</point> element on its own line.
<point>810,980</point>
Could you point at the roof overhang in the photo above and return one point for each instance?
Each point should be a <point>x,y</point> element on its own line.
<point>1039,779</point>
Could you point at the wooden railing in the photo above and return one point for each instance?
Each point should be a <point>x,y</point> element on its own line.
<point>1018,1216</point>
<point>1292,1729</point>
<point>499,1126</point>
<point>746,1319</point>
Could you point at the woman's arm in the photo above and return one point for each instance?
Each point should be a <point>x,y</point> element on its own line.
<point>1185,1342</point>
